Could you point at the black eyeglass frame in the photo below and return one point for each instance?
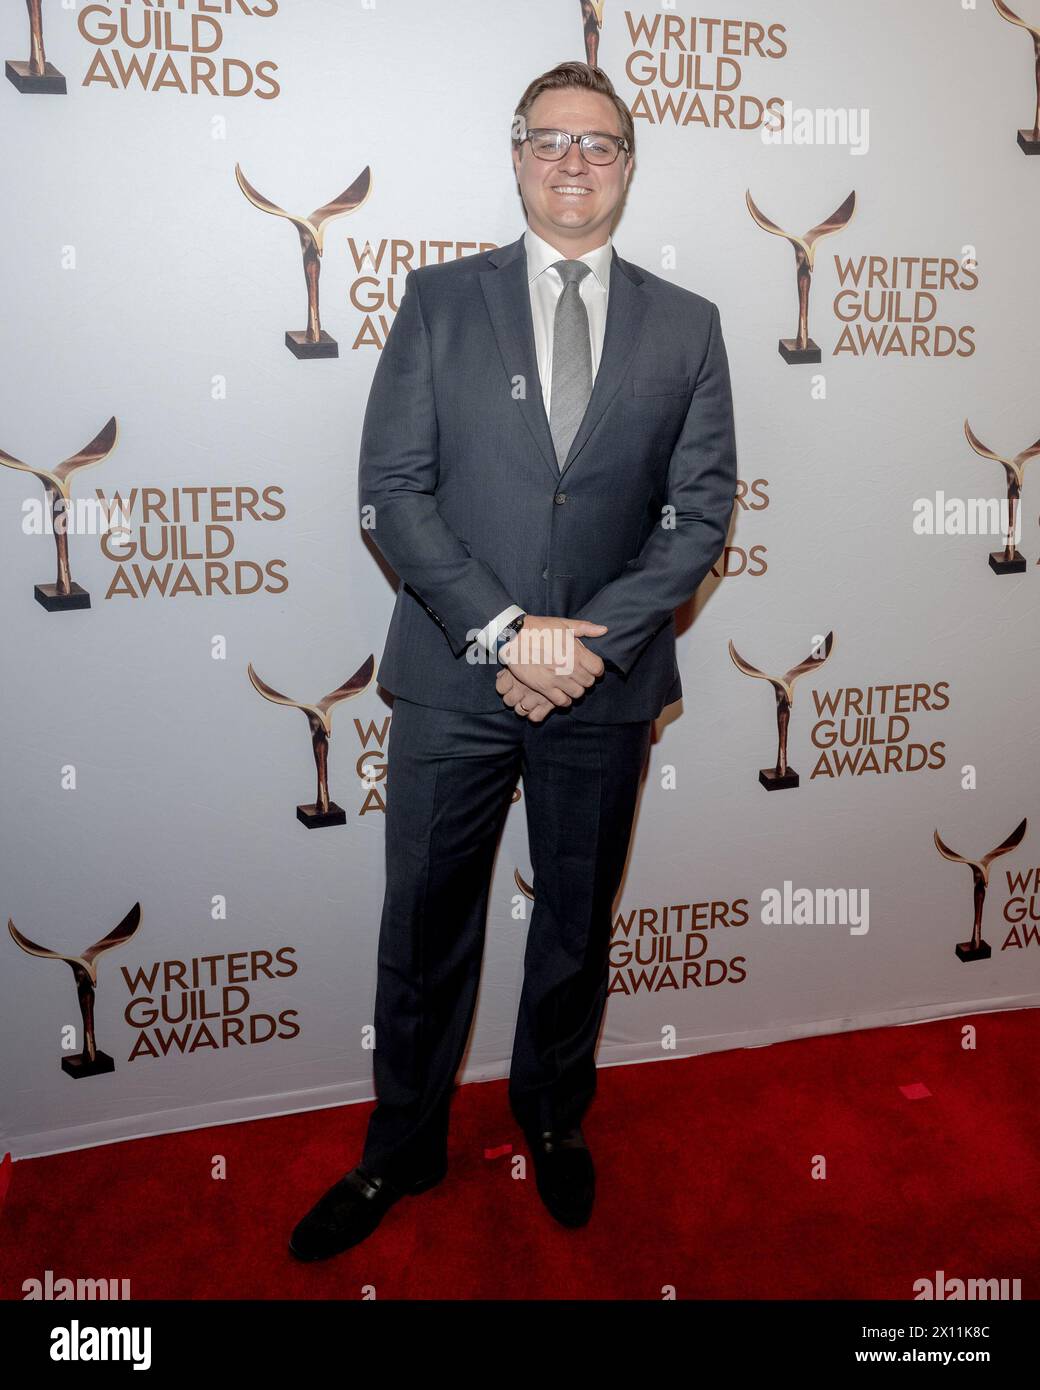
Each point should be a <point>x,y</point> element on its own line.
<point>619,140</point>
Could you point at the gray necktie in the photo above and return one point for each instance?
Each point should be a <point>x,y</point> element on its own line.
<point>571,359</point>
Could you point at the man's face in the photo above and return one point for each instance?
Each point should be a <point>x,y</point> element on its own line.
<point>570,202</point>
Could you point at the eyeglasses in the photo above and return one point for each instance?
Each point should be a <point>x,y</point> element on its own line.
<point>597,147</point>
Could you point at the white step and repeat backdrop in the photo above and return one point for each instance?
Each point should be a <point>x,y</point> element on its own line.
<point>157,881</point>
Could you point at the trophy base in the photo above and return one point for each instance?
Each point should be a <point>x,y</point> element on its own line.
<point>54,602</point>
<point>301,346</point>
<point>793,355</point>
<point>1000,564</point>
<point>21,75</point>
<point>1028,143</point>
<point>314,819</point>
<point>81,1065</point>
<point>966,951</point>
<point>777,782</point>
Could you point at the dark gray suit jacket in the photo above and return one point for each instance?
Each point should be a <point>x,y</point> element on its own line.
<point>459,485</point>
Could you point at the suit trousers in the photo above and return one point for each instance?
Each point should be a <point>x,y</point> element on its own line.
<point>450,780</point>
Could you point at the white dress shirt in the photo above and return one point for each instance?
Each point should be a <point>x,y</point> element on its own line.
<point>545,287</point>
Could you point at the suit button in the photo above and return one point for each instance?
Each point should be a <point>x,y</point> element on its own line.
<point>545,574</point>
<point>560,498</point>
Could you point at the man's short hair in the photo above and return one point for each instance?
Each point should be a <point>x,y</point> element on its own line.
<point>583,76</point>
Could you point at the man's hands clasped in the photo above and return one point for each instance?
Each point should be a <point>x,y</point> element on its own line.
<point>546,666</point>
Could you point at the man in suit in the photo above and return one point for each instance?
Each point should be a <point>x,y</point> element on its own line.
<point>548,463</point>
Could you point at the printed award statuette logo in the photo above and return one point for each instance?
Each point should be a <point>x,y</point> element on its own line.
<point>312,341</point>
<point>323,811</point>
<point>37,75</point>
<point>801,347</point>
<point>592,24</point>
<point>1028,140</point>
<point>91,1061</point>
<point>781,777</point>
<point>65,592</point>
<point>1009,560</point>
<point>976,948</point>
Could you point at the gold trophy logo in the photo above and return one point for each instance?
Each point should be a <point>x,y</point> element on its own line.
<point>37,75</point>
<point>65,592</point>
<point>91,1061</point>
<point>801,347</point>
<point>312,341</point>
<point>1028,140</point>
<point>1009,560</point>
<point>976,948</point>
<point>592,24</point>
<point>323,811</point>
<point>781,777</point>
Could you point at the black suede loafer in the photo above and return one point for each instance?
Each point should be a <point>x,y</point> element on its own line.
<point>350,1211</point>
<point>564,1174</point>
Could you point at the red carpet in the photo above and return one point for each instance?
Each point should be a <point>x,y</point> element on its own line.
<point>704,1170</point>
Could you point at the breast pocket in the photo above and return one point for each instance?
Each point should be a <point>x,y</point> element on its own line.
<point>660,385</point>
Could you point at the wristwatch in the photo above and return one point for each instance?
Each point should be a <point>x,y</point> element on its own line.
<point>509,632</point>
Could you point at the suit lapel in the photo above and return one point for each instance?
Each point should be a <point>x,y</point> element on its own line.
<point>508,302</point>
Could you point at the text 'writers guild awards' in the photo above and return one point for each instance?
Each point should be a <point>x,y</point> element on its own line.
<point>976,948</point>
<point>783,776</point>
<point>91,1061</point>
<point>323,811</point>
<point>801,347</point>
<point>312,341</point>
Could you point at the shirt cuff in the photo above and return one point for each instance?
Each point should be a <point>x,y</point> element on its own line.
<point>486,638</point>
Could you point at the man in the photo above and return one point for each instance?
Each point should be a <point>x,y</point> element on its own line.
<point>548,462</point>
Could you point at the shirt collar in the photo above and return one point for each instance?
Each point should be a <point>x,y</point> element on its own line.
<point>540,255</point>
